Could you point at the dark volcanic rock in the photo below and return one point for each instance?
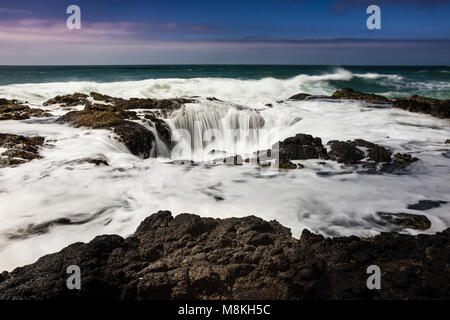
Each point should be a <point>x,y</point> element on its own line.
<point>344,152</point>
<point>115,115</point>
<point>99,161</point>
<point>434,107</point>
<point>188,257</point>
<point>14,111</point>
<point>406,220</point>
<point>426,204</point>
<point>349,93</point>
<point>20,149</point>
<point>379,154</point>
<point>163,129</point>
<point>288,165</point>
<point>142,103</point>
<point>139,140</point>
<point>415,103</point>
<point>300,96</point>
<point>376,152</point>
<point>447,141</point>
<point>135,136</point>
<point>301,147</point>
<point>400,163</point>
<point>69,100</point>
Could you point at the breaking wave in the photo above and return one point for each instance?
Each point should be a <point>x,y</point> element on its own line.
<point>256,92</point>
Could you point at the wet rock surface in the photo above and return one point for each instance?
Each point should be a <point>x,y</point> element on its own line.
<point>20,149</point>
<point>115,114</point>
<point>405,220</point>
<point>142,103</point>
<point>300,96</point>
<point>344,152</point>
<point>399,164</point>
<point>375,159</point>
<point>349,93</point>
<point>423,205</point>
<point>138,139</point>
<point>12,110</point>
<point>188,257</point>
<point>69,100</point>
<point>301,147</point>
<point>434,107</point>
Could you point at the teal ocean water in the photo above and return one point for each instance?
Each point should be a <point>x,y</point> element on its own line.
<point>431,81</point>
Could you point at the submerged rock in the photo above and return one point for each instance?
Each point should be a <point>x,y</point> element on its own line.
<point>406,220</point>
<point>400,163</point>
<point>189,257</point>
<point>434,107</point>
<point>426,204</point>
<point>300,96</point>
<point>20,149</point>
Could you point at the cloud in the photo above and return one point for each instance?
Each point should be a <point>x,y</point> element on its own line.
<point>29,30</point>
<point>14,11</point>
<point>48,41</point>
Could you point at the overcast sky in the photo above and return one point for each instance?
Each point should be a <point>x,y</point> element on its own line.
<point>245,31</point>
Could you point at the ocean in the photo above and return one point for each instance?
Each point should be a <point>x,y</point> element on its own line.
<point>431,81</point>
<point>324,196</point>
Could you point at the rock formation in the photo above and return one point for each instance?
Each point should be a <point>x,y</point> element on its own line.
<point>188,257</point>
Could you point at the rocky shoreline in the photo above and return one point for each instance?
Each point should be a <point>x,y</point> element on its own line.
<point>189,257</point>
<point>119,116</point>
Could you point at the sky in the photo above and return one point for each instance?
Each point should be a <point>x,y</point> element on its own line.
<point>225,32</point>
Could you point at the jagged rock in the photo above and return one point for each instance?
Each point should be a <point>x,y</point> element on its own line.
<point>400,163</point>
<point>415,103</point>
<point>20,149</point>
<point>142,103</point>
<point>4,101</point>
<point>100,161</point>
<point>344,152</point>
<point>434,107</point>
<point>300,96</point>
<point>69,100</point>
<point>19,112</point>
<point>139,140</point>
<point>135,136</point>
<point>426,204</point>
<point>188,257</point>
<point>406,220</point>
<point>288,165</point>
<point>102,97</point>
<point>376,152</point>
<point>300,147</point>
<point>349,93</point>
<point>447,141</point>
<point>163,129</point>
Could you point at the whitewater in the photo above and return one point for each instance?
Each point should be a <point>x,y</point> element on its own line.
<point>324,197</point>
